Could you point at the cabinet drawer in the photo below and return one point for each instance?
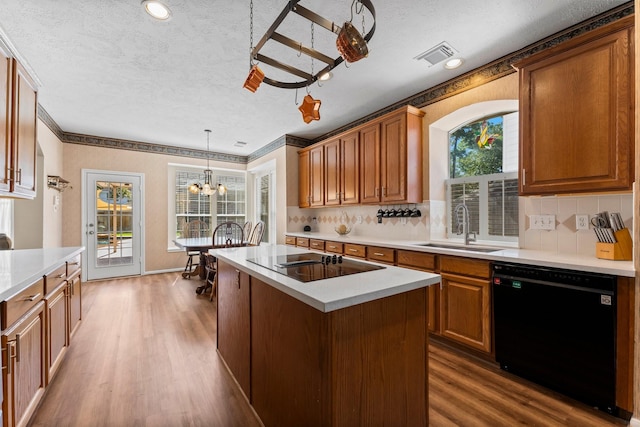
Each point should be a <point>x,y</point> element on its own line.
<point>302,242</point>
<point>55,278</point>
<point>316,244</point>
<point>419,260</point>
<point>334,247</point>
<point>465,266</point>
<point>74,265</point>
<point>385,255</point>
<point>355,250</point>
<point>18,305</point>
<point>290,240</point>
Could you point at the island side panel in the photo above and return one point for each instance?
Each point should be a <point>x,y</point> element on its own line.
<point>233,333</point>
<point>380,362</point>
<point>289,360</point>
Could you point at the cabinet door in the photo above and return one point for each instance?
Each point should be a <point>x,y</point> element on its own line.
<point>370,164</point>
<point>316,165</point>
<point>75,302</point>
<point>6,67</point>
<point>576,116</point>
<point>466,311</point>
<point>350,168</point>
<point>57,304</point>
<point>332,173</point>
<point>234,323</point>
<point>24,132</point>
<point>393,161</point>
<point>24,376</point>
<point>304,188</point>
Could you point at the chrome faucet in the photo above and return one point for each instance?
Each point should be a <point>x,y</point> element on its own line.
<point>462,217</point>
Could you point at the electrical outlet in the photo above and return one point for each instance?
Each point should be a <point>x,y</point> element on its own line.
<point>582,222</point>
<point>359,219</point>
<point>542,222</point>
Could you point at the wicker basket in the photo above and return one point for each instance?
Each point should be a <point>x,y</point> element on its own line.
<point>350,44</point>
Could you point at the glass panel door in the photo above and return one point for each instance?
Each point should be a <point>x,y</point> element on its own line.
<point>113,232</point>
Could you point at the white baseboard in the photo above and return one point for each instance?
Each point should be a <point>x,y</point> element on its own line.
<point>635,422</point>
<point>170,270</point>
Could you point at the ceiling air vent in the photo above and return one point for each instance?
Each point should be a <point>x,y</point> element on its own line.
<point>240,144</point>
<point>437,53</point>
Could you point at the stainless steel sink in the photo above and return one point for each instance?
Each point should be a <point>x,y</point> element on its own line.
<point>459,247</point>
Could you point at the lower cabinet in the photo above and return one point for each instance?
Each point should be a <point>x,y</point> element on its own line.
<point>425,262</point>
<point>465,302</point>
<point>233,325</point>
<point>75,302</point>
<point>57,309</point>
<point>24,367</point>
<point>36,329</point>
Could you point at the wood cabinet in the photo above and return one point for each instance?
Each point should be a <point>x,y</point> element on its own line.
<point>383,255</point>
<point>425,262</point>
<point>577,114</point>
<point>391,158</point>
<point>465,302</point>
<point>316,244</point>
<point>18,126</point>
<point>351,249</point>
<point>290,240</point>
<point>361,365</point>
<point>302,242</point>
<point>334,247</point>
<point>37,324</point>
<point>377,162</point>
<point>23,360</point>
<point>233,325</point>
<point>57,309</point>
<point>342,172</point>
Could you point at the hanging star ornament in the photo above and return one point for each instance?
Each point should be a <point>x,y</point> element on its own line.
<point>310,109</point>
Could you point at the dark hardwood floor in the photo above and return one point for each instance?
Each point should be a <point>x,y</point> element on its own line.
<point>145,355</point>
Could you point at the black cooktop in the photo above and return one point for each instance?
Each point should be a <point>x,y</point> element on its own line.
<point>310,266</point>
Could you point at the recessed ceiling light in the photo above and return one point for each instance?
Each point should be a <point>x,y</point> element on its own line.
<point>157,9</point>
<point>326,76</point>
<point>453,63</point>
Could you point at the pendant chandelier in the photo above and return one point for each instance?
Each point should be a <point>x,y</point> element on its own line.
<point>207,188</point>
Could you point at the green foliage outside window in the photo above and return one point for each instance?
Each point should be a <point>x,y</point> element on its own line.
<point>467,158</point>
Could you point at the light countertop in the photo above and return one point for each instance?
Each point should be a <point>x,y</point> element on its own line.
<point>520,256</point>
<point>20,268</point>
<point>328,294</point>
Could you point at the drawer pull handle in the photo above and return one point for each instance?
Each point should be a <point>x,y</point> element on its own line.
<point>74,263</point>
<point>378,254</point>
<point>60,276</point>
<point>332,247</point>
<point>17,347</point>
<point>31,298</point>
<point>353,250</point>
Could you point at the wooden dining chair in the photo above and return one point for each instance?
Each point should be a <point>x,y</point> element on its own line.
<point>194,228</point>
<point>246,229</point>
<point>256,234</point>
<point>226,235</point>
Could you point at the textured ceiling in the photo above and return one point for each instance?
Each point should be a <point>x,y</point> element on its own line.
<point>107,69</point>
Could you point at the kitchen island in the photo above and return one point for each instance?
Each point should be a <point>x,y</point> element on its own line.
<point>343,351</point>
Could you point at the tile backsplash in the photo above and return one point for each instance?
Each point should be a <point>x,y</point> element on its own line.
<point>565,239</point>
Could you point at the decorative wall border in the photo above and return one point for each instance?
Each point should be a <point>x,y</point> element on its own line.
<point>482,75</point>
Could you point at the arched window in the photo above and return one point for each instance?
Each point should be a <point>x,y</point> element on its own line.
<point>483,162</point>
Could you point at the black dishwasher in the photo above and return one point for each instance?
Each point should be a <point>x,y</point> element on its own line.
<point>557,328</point>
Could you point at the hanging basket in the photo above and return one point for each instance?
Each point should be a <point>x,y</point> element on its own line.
<point>350,44</point>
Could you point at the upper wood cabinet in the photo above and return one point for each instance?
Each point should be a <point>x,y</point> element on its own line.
<point>18,125</point>
<point>378,162</point>
<point>393,158</point>
<point>341,170</point>
<point>311,177</point>
<point>577,114</point>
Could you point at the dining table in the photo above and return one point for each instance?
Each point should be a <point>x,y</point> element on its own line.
<point>200,244</point>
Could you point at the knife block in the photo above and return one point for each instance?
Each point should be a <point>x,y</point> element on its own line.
<point>622,250</point>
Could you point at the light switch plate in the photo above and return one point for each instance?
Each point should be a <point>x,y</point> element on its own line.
<point>542,222</point>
